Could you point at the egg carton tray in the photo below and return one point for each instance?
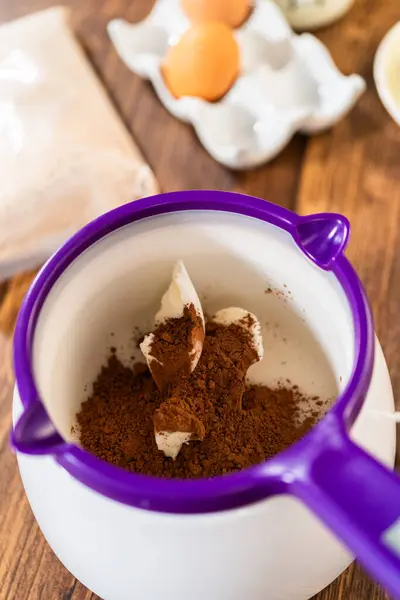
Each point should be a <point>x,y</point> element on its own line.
<point>287,83</point>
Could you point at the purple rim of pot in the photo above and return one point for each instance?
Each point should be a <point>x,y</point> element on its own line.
<point>204,495</point>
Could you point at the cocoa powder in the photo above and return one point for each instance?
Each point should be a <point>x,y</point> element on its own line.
<point>173,344</point>
<point>219,379</point>
<point>238,427</point>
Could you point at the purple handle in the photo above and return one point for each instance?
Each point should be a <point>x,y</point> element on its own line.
<point>34,433</point>
<point>358,499</point>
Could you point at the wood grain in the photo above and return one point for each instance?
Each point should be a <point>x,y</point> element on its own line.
<point>352,169</point>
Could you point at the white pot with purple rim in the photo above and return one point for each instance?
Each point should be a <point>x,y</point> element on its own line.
<point>260,533</point>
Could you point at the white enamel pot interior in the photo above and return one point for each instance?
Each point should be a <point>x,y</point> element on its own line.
<point>271,550</point>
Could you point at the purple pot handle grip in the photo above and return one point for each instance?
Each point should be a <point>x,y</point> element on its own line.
<point>359,500</point>
<point>34,433</point>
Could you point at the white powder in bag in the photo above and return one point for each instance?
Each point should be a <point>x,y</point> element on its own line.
<point>65,155</point>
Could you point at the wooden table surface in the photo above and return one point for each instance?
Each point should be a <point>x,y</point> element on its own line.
<point>353,169</point>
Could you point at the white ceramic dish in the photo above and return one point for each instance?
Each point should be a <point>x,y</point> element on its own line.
<point>311,14</point>
<point>387,72</point>
<point>288,83</point>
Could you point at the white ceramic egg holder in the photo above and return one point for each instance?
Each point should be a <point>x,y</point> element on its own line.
<point>288,83</point>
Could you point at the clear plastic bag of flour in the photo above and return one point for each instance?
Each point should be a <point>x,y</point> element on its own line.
<point>65,155</point>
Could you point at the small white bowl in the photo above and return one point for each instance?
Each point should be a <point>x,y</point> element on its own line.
<point>387,72</point>
<point>288,83</point>
<point>312,14</point>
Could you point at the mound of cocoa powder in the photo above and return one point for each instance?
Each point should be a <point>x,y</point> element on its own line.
<point>242,426</point>
<point>173,344</point>
<point>218,381</point>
